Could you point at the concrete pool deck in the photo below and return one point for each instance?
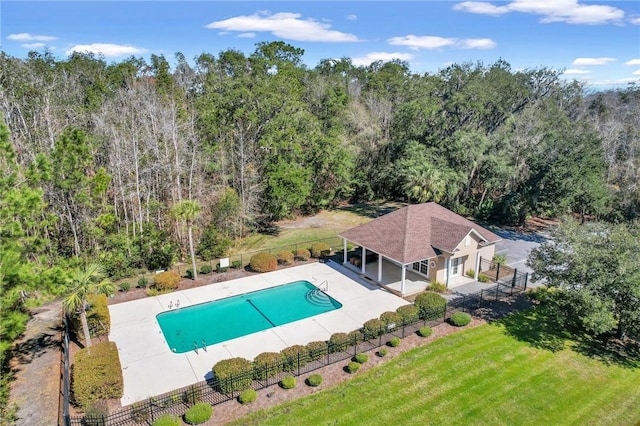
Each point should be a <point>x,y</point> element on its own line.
<point>150,368</point>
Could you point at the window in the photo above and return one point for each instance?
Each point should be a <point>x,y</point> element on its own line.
<point>422,266</point>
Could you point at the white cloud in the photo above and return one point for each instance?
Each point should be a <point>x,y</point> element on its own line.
<point>351,17</point>
<point>633,62</point>
<point>569,11</point>
<point>586,62</point>
<point>284,25</point>
<point>635,20</point>
<point>30,37</point>
<point>33,46</point>
<point>433,42</point>
<point>637,72</point>
<point>380,56</point>
<point>576,72</point>
<point>247,35</point>
<point>107,49</point>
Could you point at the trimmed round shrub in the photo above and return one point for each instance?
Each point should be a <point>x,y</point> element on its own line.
<point>302,254</point>
<point>285,257</point>
<point>430,305</point>
<point>460,319</point>
<point>124,287</point>
<point>317,249</point>
<point>206,269</point>
<point>294,357</point>
<point>267,365</point>
<point>236,264</point>
<point>425,331</point>
<point>361,358</point>
<point>97,374</point>
<point>288,382</point>
<point>317,350</point>
<point>192,395</point>
<point>142,282</point>
<point>314,380</point>
<point>383,352</point>
<point>373,328</point>
<point>408,313</point>
<point>352,367</point>
<point>394,342</point>
<point>392,320</point>
<point>338,342</point>
<point>199,413</point>
<point>355,336</point>
<point>263,262</point>
<point>167,420</point>
<point>234,374</point>
<point>166,281</point>
<point>249,395</point>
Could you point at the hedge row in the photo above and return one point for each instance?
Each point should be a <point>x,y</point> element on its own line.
<point>98,316</point>
<point>96,374</point>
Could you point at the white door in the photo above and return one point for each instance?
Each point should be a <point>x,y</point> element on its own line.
<point>456,266</point>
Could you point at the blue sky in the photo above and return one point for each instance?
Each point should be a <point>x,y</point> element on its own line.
<point>594,41</point>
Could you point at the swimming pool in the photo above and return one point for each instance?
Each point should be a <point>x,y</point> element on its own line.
<point>197,326</point>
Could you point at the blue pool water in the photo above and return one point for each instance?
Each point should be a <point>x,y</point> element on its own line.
<point>214,322</point>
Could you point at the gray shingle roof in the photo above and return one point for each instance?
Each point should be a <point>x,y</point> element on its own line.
<point>416,232</point>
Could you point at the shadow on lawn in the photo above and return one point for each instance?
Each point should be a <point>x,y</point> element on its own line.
<point>371,210</point>
<point>539,329</point>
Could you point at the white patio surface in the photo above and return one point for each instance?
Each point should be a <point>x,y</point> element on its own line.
<point>392,277</point>
<point>150,368</point>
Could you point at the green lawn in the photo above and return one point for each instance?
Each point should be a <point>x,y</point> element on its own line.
<point>482,376</point>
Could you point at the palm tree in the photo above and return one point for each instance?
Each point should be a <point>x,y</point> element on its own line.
<point>188,210</point>
<point>425,183</point>
<point>84,281</point>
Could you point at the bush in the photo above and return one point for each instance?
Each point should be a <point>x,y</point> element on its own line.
<point>437,287</point>
<point>189,274</point>
<point>199,413</point>
<point>352,367</point>
<point>460,319</point>
<point>167,420</point>
<point>236,264</point>
<point>355,336</point>
<point>220,270</point>
<point>383,352</point>
<point>483,278</point>
<point>430,305</point>
<point>142,282</point>
<point>98,315</point>
<point>249,395</point>
<point>338,342</point>
<point>470,273</point>
<point>361,358</point>
<point>314,380</point>
<point>302,254</point>
<point>192,395</point>
<point>499,259</point>
<point>394,342</point>
<point>205,269</point>
<point>373,328</point>
<point>425,331</point>
<point>408,313</point>
<point>233,374</point>
<point>285,257</point>
<point>263,262</point>
<point>140,412</point>
<point>392,320</point>
<point>294,357</point>
<point>167,281</point>
<point>318,249</point>
<point>316,350</point>
<point>267,365</point>
<point>97,374</point>
<point>124,287</point>
<point>96,413</point>
<point>288,382</point>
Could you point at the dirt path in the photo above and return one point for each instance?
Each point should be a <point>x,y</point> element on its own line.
<point>37,369</point>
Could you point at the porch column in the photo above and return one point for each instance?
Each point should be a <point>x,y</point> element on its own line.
<point>379,268</point>
<point>477,268</point>
<point>404,275</point>
<point>363,261</point>
<point>447,270</point>
<point>344,251</point>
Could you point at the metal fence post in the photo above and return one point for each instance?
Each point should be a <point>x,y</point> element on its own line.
<point>497,288</point>
<point>498,273</point>
<point>526,279</point>
<point>298,363</point>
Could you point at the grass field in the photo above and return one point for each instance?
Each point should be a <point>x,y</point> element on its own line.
<point>495,374</point>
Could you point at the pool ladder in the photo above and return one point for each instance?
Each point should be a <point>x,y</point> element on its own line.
<point>195,346</point>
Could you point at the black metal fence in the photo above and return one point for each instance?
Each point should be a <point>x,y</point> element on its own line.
<point>177,402</point>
